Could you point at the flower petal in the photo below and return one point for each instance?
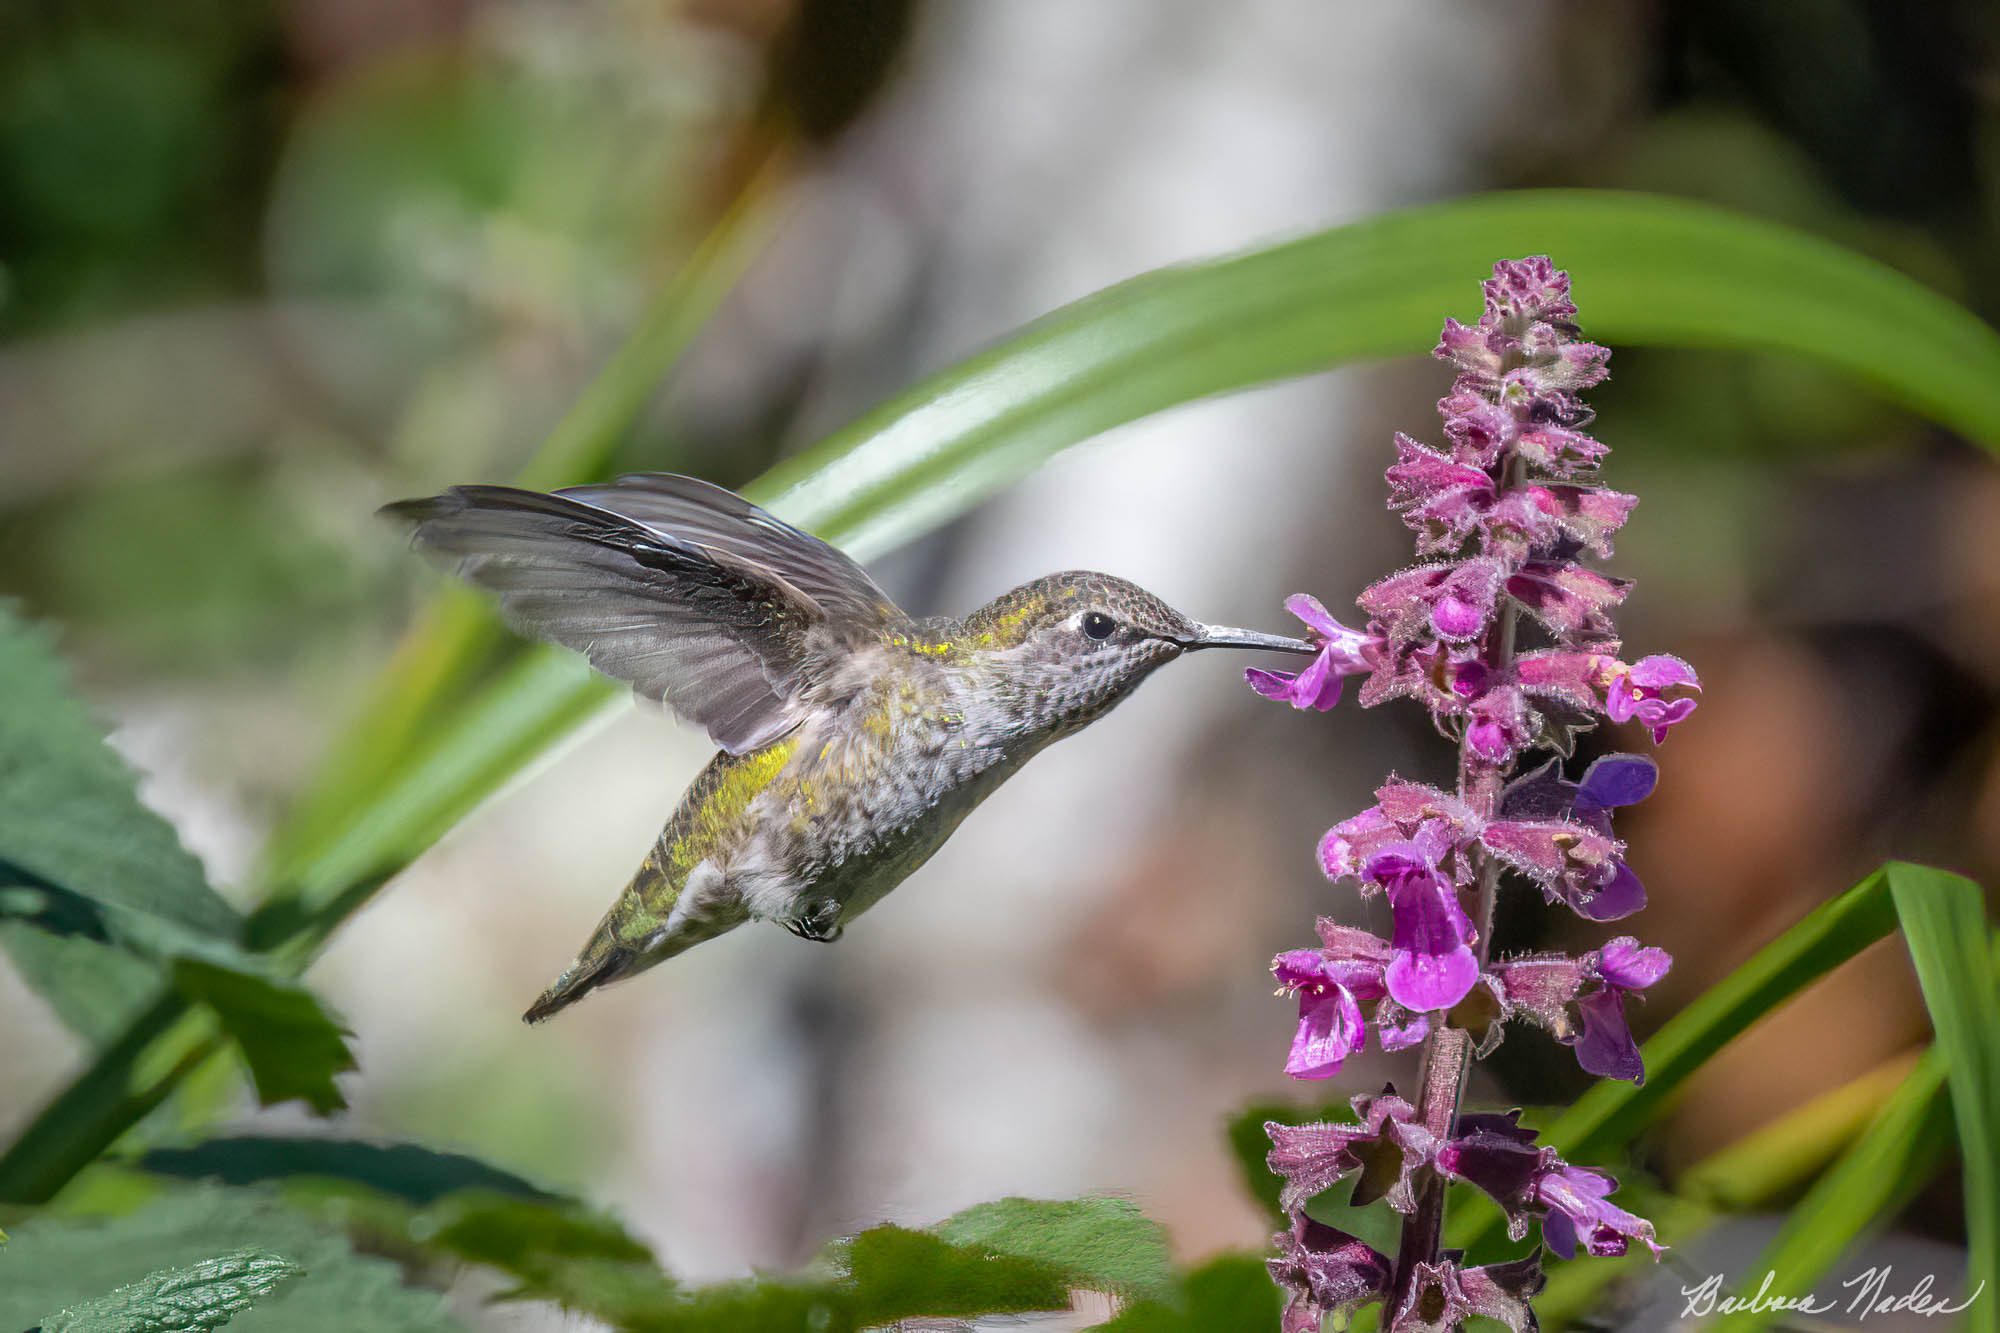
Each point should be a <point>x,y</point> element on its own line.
<point>1617,898</point>
<point>1628,965</point>
<point>1605,1047</point>
<point>1330,1030</point>
<point>1433,967</point>
<point>1616,780</point>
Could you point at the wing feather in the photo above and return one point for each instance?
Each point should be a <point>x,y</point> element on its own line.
<point>696,597</point>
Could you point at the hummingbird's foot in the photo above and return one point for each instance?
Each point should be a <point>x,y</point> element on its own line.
<point>821,922</point>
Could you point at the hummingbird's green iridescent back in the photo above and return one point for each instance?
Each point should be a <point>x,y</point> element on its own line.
<point>854,739</point>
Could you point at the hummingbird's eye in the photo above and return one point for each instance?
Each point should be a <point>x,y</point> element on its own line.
<point>1097,625</point>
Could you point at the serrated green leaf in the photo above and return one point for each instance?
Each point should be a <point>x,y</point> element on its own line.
<point>52,1263</point>
<point>1103,1244</point>
<point>895,1274</point>
<point>70,815</point>
<point>193,1299</point>
<point>292,1046</point>
<point>95,988</point>
<point>85,869</point>
<point>554,1250</point>
<point>553,1247</point>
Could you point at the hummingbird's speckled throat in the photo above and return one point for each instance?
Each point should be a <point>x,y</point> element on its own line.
<point>854,737</point>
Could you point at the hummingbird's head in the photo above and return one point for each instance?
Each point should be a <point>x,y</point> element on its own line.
<point>1057,653</point>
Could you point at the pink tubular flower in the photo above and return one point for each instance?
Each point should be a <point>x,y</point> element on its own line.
<point>1501,1158</point>
<point>1605,1047</point>
<point>1330,1023</point>
<point>1641,691</point>
<point>1581,1001</point>
<point>1431,961</point>
<point>1342,652</point>
<point>1558,834</point>
<point>1578,1209</point>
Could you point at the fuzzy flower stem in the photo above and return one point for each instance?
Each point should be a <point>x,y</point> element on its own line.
<point>1448,1052</point>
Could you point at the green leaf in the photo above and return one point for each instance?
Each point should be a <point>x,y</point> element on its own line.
<point>1100,1243</point>
<point>405,1171</point>
<point>1232,1293</point>
<point>899,1274</point>
<point>1612,1113</point>
<point>70,815</point>
<point>85,869</point>
<point>555,1250</point>
<point>90,870</point>
<point>95,988</point>
<point>1944,921</point>
<point>292,1046</point>
<point>201,1296</point>
<point>52,1263</point>
<point>763,1306</point>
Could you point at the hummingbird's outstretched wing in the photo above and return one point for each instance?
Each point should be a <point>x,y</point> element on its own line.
<point>694,595</point>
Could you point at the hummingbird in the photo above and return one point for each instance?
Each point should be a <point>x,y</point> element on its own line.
<point>854,738</point>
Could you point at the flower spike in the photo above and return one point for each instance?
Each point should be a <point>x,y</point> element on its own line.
<point>1506,513</point>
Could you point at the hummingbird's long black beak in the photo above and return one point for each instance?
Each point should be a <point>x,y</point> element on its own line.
<point>1222,636</point>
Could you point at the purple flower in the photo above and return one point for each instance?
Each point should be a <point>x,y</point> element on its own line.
<point>1566,597</point>
<point>1641,691</point>
<point>1576,1209</point>
<point>1330,1023</point>
<point>1496,1154</point>
<point>1326,1272</point>
<point>1558,833</point>
<point>1332,983</point>
<point>1569,860</point>
<point>1432,965</point>
<point>1581,1001</point>
<point>1451,602</point>
<point>1499,1157</point>
<point>1605,1047</point>
<point>1342,652</point>
<point>1387,1146</point>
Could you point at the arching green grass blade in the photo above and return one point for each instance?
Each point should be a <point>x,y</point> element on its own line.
<point>1944,920</point>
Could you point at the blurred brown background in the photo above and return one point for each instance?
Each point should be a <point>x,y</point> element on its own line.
<point>267,264</point>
